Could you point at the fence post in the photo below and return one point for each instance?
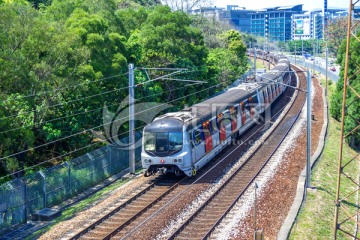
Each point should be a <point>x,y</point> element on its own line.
<point>44,187</point>
<point>69,178</point>
<point>25,198</point>
<point>110,161</point>
<point>92,167</point>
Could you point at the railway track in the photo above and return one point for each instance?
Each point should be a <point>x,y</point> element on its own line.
<point>128,218</point>
<point>116,220</point>
<point>204,220</point>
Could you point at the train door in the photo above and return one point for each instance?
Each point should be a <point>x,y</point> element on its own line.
<point>265,96</point>
<point>243,113</point>
<point>214,132</point>
<point>207,136</point>
<point>251,107</point>
<point>233,116</point>
<point>199,143</point>
<point>269,92</point>
<point>221,126</point>
<point>227,123</point>
<point>273,90</point>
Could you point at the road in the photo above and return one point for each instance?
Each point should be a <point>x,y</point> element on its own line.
<point>320,65</point>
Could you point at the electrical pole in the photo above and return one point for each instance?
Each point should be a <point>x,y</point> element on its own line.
<point>295,51</point>
<point>254,61</point>
<point>131,120</point>
<point>326,69</point>
<point>308,131</point>
<point>314,52</point>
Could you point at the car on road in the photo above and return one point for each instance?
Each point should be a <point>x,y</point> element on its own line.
<point>332,69</point>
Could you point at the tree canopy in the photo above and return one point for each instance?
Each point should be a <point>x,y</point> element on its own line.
<point>62,61</point>
<point>352,119</point>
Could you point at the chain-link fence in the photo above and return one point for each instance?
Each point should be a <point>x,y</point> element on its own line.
<point>22,197</point>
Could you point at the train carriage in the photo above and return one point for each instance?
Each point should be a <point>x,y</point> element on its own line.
<point>184,141</point>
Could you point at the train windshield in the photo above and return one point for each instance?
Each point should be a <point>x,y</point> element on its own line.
<point>163,142</point>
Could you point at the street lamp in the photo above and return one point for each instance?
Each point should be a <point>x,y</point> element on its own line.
<point>255,229</point>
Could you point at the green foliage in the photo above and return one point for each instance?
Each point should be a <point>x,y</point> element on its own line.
<point>308,46</point>
<point>353,103</point>
<point>53,57</point>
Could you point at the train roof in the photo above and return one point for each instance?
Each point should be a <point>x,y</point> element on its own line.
<point>200,112</point>
<point>209,108</point>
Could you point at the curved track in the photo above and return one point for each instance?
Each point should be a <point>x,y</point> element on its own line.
<point>203,221</point>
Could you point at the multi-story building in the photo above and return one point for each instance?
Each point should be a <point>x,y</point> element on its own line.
<point>274,24</point>
<point>238,17</point>
<point>311,24</point>
<point>277,23</point>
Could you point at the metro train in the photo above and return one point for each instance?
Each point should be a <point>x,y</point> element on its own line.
<point>183,142</point>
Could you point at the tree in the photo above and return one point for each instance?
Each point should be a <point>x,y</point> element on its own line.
<point>336,30</point>
<point>352,119</point>
<point>187,5</point>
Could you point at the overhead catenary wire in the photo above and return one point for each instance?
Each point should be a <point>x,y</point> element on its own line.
<point>60,89</point>
<point>93,110</point>
<point>84,131</point>
<point>79,99</point>
<point>64,103</point>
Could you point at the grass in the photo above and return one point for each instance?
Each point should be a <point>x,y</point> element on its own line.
<point>316,217</point>
<point>80,206</point>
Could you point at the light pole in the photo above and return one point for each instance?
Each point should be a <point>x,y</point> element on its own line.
<point>295,51</point>
<point>255,229</point>
<point>131,120</point>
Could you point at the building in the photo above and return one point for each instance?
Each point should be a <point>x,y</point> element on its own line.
<point>311,24</point>
<point>238,17</point>
<point>274,24</point>
<point>277,23</point>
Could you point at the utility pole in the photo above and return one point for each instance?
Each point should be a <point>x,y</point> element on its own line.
<point>295,51</point>
<point>326,69</point>
<point>131,120</point>
<point>314,53</point>
<point>308,131</point>
<point>254,61</point>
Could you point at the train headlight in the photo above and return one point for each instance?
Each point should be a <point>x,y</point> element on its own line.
<point>147,160</point>
<point>175,160</point>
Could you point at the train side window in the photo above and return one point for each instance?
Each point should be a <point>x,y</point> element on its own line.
<point>214,127</point>
<point>255,99</point>
<point>242,106</point>
<point>191,139</point>
<point>247,105</point>
<point>198,136</point>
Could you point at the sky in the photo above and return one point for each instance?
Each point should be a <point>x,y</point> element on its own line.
<point>258,4</point>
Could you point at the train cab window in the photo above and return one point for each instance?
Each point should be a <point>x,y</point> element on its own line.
<point>175,141</point>
<point>198,136</point>
<point>149,141</point>
<point>163,142</point>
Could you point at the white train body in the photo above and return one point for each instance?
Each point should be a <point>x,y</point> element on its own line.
<point>184,141</point>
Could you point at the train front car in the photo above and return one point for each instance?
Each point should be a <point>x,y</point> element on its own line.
<point>164,148</point>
